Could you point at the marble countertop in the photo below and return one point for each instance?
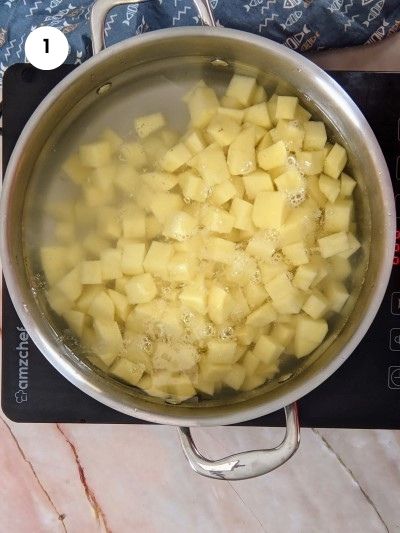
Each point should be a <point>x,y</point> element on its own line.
<point>120,479</point>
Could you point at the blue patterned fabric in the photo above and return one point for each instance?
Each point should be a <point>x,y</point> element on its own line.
<point>302,25</point>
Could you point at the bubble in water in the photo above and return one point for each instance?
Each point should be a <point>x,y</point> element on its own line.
<point>122,158</point>
<point>256,277</point>
<point>226,333</point>
<point>187,200</point>
<point>187,317</point>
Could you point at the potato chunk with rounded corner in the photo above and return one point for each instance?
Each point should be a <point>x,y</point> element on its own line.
<point>148,124</point>
<point>141,289</point>
<point>273,156</point>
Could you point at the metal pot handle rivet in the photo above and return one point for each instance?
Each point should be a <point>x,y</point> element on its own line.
<point>245,465</point>
<point>102,7</point>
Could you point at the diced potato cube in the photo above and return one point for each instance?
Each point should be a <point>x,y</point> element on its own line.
<point>308,335</point>
<point>121,304</point>
<point>160,181</point>
<point>112,138</point>
<point>223,192</point>
<point>223,130</point>
<point>255,294</point>
<point>182,267</point>
<point>261,247</point>
<point>153,227</point>
<point>211,165</point>
<point>340,268</point>
<point>58,301</point>
<point>102,307</point>
<point>235,377</point>
<point>164,204</point>
<point>148,124</point>
<point>267,349</point>
<point>333,244</point>
<point>262,316</point>
<point>220,304</point>
<point>347,185</point>
<point>94,244</point>
<point>175,158</point>
<point>91,273</point>
<point>286,107</point>
<point>95,154</point>
<point>282,333</point>
<point>134,153</point>
<point>219,250</point>
<point>174,357</point>
<point>329,187</point>
<point>272,103</point>
<point>154,148</point>
<point>194,296</point>
<point>180,226</point>
<point>354,245</point>
<point>291,133</point>
<point>127,370</point>
<point>321,267</point>
<point>109,340</point>
<point>256,182</point>
<point>203,104</point>
<point>217,220</point>
<point>75,170</point>
<point>241,157</point>
<point>269,271</point>
<point>316,305</point>
<point>76,321</point>
<point>236,114</point>
<point>286,298</point>
<point>193,187</point>
<point>315,135</point>
<point>231,103</point>
<point>108,223</point>
<point>260,95</point>
<point>270,209</point>
<point>111,264</point>
<point>338,216</point>
<point>157,257</point>
<point>304,277</point>
<point>302,115</point>
<point>242,88</point>
<point>70,285</point>
<point>222,352</point>
<point>134,224</point>
<point>258,114</point>
<point>296,253</point>
<point>290,182</point>
<point>250,363</point>
<point>54,263</point>
<point>242,213</point>
<point>87,296</point>
<point>310,163</point>
<point>132,258</point>
<point>335,161</point>
<point>336,293</point>
<point>141,289</point>
<point>273,156</point>
<point>195,142</point>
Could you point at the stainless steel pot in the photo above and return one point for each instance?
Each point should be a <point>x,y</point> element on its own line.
<point>377,226</point>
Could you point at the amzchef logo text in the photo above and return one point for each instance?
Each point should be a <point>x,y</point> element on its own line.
<point>23,365</point>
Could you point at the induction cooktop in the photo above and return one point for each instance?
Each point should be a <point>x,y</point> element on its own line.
<point>363,393</point>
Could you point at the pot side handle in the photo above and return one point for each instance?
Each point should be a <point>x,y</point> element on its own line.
<point>100,9</point>
<point>249,464</point>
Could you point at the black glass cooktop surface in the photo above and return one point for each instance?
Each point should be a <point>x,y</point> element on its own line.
<point>363,393</point>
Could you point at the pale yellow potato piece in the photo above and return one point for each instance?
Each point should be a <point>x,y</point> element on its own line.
<point>153,227</point>
<point>336,294</point>
<point>286,107</point>
<point>121,304</point>
<point>308,335</point>
<point>222,193</point>
<point>315,135</point>
<point>242,88</point>
<point>70,285</point>
<point>194,296</point>
<point>301,114</point>
<point>235,377</point>
<point>96,154</point>
<point>175,158</point>
<point>203,104</point>
<point>223,129</point>
<point>75,170</point>
<point>164,204</point>
<point>222,352</point>
<point>134,153</point>
<point>91,273</point>
<point>220,304</point>
<point>242,211</point>
<point>157,257</point>
<point>255,294</point>
<point>267,350</point>
<point>282,333</point>
<point>273,156</point>
<point>109,340</point>
<point>148,124</point>
<point>160,181</point>
<point>262,316</point>
<point>193,187</point>
<point>258,114</point>
<point>335,161</point>
<point>261,247</point>
<point>211,165</point>
<point>291,133</point>
<point>337,216</point>
<point>270,209</point>
<point>296,253</point>
<point>219,250</point>
<point>128,371</point>
<point>290,182</point>
<point>180,226</point>
<point>354,245</point>
<point>195,142</point>
<point>347,185</point>
<point>132,258</point>
<point>141,289</point>
<point>54,263</point>
<point>304,276</point>
<point>286,298</point>
<point>311,163</point>
<point>102,306</point>
<point>241,157</point>
<point>182,267</point>
<point>333,244</point>
<point>316,305</point>
<point>108,223</point>
<point>256,182</point>
<point>76,321</point>
<point>111,264</point>
<point>134,224</point>
<point>329,187</point>
<point>235,114</point>
<point>217,220</point>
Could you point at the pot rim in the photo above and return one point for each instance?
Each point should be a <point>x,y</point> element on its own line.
<point>242,413</point>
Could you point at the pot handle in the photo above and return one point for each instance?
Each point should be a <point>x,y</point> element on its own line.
<point>249,464</point>
<point>100,9</point>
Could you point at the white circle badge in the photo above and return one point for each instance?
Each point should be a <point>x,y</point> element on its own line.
<point>46,48</point>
